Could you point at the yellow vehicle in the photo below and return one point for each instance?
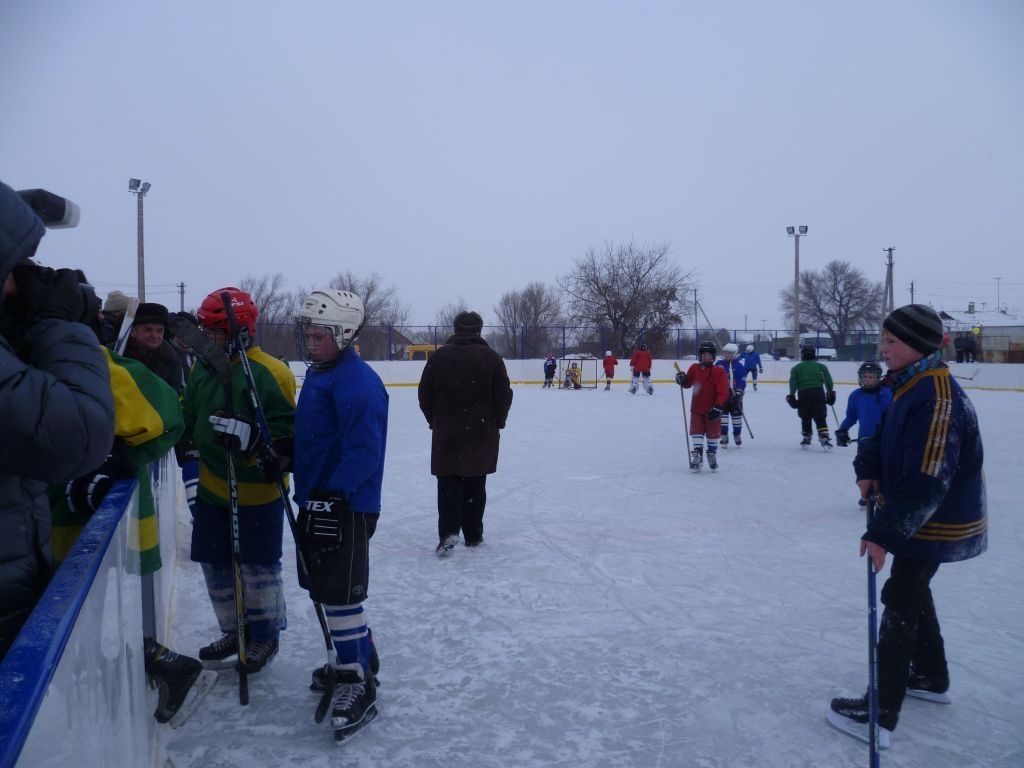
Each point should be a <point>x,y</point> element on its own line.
<point>419,351</point>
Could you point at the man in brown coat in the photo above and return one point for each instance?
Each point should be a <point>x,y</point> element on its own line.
<point>465,394</point>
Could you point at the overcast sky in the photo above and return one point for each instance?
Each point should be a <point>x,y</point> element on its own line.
<point>463,149</point>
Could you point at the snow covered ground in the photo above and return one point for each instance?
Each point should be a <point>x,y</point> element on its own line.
<point>625,612</point>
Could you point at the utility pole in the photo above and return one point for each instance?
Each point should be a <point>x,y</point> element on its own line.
<point>181,295</point>
<point>911,291</point>
<point>796,235</point>
<point>696,326</point>
<point>998,305</point>
<point>887,296</point>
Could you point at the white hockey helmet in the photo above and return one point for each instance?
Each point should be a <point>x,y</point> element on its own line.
<point>608,353</point>
<point>750,347</point>
<point>730,348</point>
<point>341,311</point>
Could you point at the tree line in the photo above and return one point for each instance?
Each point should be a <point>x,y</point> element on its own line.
<point>631,291</point>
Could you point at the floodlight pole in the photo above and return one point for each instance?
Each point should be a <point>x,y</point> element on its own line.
<point>139,189</point>
<point>796,234</point>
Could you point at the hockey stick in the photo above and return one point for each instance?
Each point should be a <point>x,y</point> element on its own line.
<point>126,326</point>
<point>872,654</point>
<point>261,420</point>
<point>686,422</point>
<point>834,416</point>
<point>968,378</point>
<point>749,430</point>
<point>236,563</point>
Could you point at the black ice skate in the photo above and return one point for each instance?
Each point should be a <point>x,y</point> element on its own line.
<point>696,459</point>
<point>447,545</point>
<point>927,688</point>
<point>738,439</point>
<point>805,442</point>
<point>826,444</point>
<point>607,386</point>
<point>354,703</point>
<point>181,683</point>
<point>258,655</point>
<point>319,681</point>
<point>851,717</point>
<point>221,653</point>
<point>713,460</point>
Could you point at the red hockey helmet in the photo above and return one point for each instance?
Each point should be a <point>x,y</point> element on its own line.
<point>212,314</point>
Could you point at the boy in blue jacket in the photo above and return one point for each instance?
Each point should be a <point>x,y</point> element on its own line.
<point>924,465</point>
<point>341,425</point>
<point>865,407</point>
<point>549,371</point>
<point>736,377</point>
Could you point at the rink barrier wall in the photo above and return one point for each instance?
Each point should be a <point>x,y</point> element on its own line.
<point>989,376</point>
<point>73,687</point>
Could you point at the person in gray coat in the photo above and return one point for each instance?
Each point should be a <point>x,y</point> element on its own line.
<point>465,395</point>
<point>56,405</point>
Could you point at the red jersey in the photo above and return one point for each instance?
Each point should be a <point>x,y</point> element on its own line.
<point>610,361</point>
<point>709,387</point>
<point>640,362</point>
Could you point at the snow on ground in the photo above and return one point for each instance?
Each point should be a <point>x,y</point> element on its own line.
<point>625,612</point>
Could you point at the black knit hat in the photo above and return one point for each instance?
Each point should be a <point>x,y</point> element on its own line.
<point>916,325</point>
<point>152,313</point>
<point>468,324</point>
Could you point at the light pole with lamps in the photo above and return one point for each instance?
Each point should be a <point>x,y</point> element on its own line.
<point>998,304</point>
<point>139,189</point>
<point>796,233</point>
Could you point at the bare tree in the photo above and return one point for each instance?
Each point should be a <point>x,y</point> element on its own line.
<point>381,303</point>
<point>445,317</point>
<point>839,299</point>
<point>526,317</point>
<point>277,303</point>
<point>629,287</point>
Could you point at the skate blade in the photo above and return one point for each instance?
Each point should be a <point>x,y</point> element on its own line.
<point>217,665</point>
<point>346,733</point>
<point>203,685</point>
<point>857,730</point>
<point>934,698</point>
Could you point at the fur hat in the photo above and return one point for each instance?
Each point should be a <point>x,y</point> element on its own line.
<point>116,302</point>
<point>468,324</point>
<point>152,313</point>
<point>916,325</point>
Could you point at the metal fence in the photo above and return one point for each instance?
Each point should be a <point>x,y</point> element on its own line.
<point>400,342</point>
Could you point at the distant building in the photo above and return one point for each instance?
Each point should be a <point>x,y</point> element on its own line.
<point>999,336</point>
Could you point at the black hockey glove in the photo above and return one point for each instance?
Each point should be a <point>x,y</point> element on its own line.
<point>85,494</point>
<point>714,412</point>
<point>737,395</point>
<point>234,432</point>
<point>274,463</point>
<point>681,379</point>
<point>319,521</point>
<point>842,438</point>
<point>792,402</point>
<point>830,398</point>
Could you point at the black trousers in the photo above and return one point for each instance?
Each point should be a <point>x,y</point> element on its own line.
<point>909,633</point>
<point>811,405</point>
<point>460,506</point>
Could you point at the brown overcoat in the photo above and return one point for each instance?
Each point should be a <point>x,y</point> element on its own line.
<point>465,394</point>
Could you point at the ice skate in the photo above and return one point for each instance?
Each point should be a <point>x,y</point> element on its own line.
<point>755,386</point>
<point>258,655</point>
<point>354,704</point>
<point>447,545</point>
<point>723,441</point>
<point>181,684</point>
<point>696,459</point>
<point>318,680</point>
<point>851,717</point>
<point>221,653</point>
<point>738,439</point>
<point>650,389</point>
<point>926,688</point>
<point>826,444</point>
<point>713,461</point>
<point>805,443</point>
<point>607,386</point>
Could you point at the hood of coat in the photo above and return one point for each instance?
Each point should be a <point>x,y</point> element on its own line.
<point>20,230</point>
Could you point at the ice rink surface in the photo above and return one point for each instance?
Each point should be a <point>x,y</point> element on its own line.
<point>626,612</point>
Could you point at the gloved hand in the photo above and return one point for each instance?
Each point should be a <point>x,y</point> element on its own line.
<point>273,463</point>
<point>737,394</point>
<point>681,379</point>
<point>830,398</point>
<point>792,402</point>
<point>85,494</point>
<point>234,432</point>
<point>842,438</point>
<point>760,370</point>
<point>714,412</point>
<point>48,294</point>
<point>319,522</point>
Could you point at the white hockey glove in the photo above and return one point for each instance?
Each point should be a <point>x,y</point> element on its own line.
<point>234,432</point>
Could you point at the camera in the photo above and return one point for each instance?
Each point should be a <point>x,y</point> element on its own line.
<point>56,212</point>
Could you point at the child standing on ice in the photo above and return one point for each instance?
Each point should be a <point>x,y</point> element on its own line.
<point>736,379</point>
<point>924,465</point>
<point>806,380</point>
<point>610,361</point>
<point>865,407</point>
<point>710,391</point>
<point>549,371</point>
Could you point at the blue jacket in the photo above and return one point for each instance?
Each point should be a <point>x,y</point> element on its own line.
<point>865,407</point>
<point>927,456</point>
<point>549,368</point>
<point>341,426</point>
<point>735,373</point>
<point>752,362</point>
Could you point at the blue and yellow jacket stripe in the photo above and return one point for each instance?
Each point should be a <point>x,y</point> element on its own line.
<point>927,455</point>
<point>204,394</point>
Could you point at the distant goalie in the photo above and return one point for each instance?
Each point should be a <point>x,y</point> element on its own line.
<point>572,377</point>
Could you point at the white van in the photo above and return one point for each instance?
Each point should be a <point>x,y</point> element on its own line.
<point>824,347</point>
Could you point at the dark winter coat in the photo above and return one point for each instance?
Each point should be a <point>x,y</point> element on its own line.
<point>165,361</point>
<point>927,457</point>
<point>465,394</point>
<point>56,424</point>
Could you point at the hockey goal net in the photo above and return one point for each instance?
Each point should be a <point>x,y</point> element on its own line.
<point>583,371</point>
